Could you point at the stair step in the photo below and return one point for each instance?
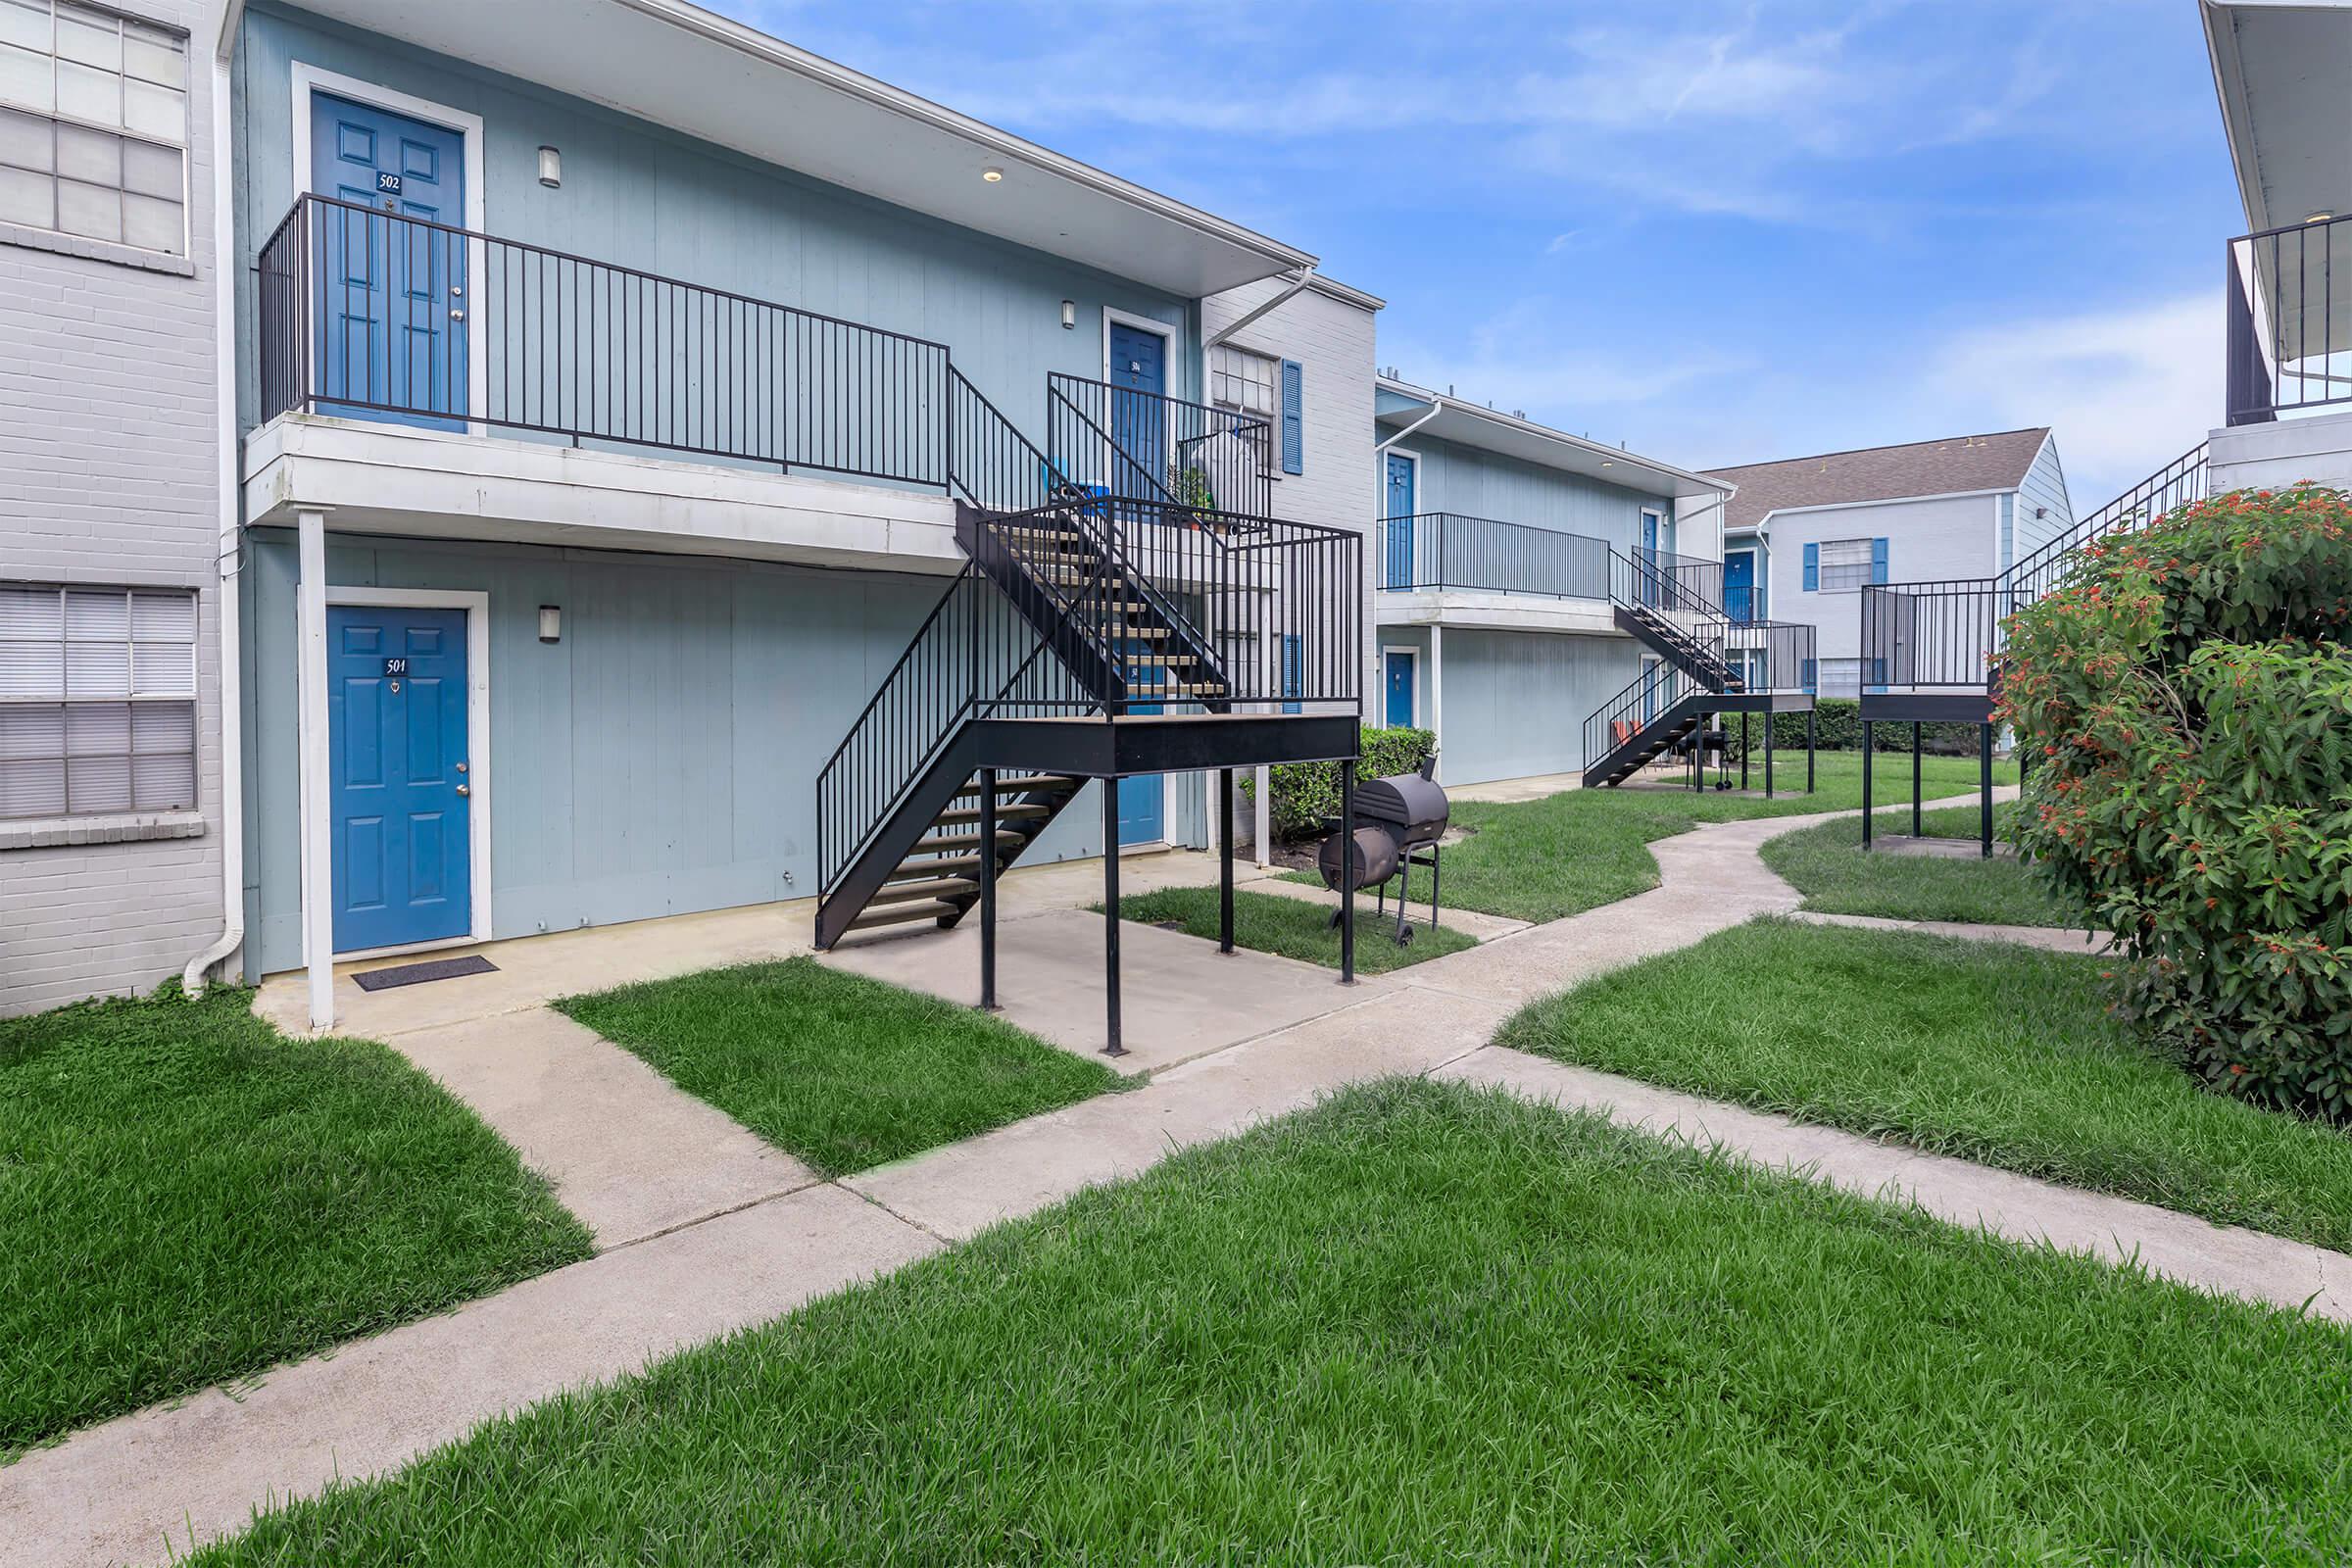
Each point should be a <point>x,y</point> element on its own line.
<point>960,841</point>
<point>1005,813</point>
<point>900,914</point>
<point>924,868</point>
<point>937,887</point>
<point>1026,784</point>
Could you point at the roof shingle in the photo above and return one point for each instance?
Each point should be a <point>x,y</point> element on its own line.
<point>1953,465</point>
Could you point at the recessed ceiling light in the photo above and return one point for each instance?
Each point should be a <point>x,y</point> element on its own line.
<point>992,176</point>
<point>2319,216</point>
<point>1609,463</point>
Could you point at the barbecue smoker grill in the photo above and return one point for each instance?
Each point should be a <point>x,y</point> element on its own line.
<point>1398,822</point>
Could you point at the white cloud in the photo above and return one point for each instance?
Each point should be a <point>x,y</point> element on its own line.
<point>2127,389</point>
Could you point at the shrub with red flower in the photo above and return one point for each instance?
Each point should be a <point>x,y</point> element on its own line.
<point>2184,701</point>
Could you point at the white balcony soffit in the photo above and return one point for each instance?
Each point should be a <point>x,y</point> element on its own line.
<point>682,67</point>
<point>2280,68</point>
<point>1488,430</point>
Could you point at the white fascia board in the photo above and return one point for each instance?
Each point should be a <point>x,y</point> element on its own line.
<point>387,480</point>
<point>1494,612</point>
<point>1764,523</point>
<point>1491,429</point>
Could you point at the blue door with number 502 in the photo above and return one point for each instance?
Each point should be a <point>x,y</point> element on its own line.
<point>400,781</point>
<point>392,306</point>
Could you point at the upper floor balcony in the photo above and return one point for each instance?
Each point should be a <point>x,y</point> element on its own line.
<point>432,380</point>
<point>2290,314</point>
<point>1450,567</point>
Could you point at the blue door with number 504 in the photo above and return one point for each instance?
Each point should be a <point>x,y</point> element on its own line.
<point>392,306</point>
<point>400,781</point>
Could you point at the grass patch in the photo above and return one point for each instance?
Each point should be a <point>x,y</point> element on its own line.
<point>187,1198</point>
<point>1581,849</point>
<point>845,1072</point>
<point>1424,1324</point>
<point>1829,866</point>
<point>1997,1053</point>
<point>1297,928</point>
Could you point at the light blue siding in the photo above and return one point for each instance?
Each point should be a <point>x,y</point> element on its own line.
<point>1514,703</point>
<point>1486,484</point>
<point>661,758</point>
<point>636,195</point>
<point>2044,489</point>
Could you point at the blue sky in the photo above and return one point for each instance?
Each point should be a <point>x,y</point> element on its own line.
<point>1719,233</point>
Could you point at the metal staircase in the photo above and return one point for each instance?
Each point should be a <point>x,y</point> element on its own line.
<point>1075,604</point>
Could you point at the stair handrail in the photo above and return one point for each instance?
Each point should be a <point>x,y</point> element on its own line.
<point>2184,479</point>
<point>1661,686</point>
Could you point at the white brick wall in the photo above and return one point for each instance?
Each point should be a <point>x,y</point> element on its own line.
<point>107,476</point>
<point>1334,342</point>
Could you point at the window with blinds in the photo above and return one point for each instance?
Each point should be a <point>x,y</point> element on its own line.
<point>93,124</point>
<point>97,701</point>
<point>1246,383</point>
<point>1844,564</point>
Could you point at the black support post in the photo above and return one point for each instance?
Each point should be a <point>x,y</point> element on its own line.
<point>1347,871</point>
<point>1918,777</point>
<point>1225,863</point>
<point>1744,732</point>
<point>1984,794</point>
<point>1812,734</point>
<point>1869,749</point>
<point>1111,914</point>
<point>1768,728</point>
<point>988,890</point>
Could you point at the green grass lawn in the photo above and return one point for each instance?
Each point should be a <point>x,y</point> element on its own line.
<point>1828,865</point>
<point>1993,1053</point>
<point>1581,849</point>
<point>845,1072</point>
<point>1294,928</point>
<point>186,1197</point>
<point>1422,1324</point>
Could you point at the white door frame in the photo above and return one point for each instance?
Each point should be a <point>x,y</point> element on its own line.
<point>1414,653</point>
<point>318,880</point>
<point>308,79</point>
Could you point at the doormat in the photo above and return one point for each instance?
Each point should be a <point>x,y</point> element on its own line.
<point>416,974</point>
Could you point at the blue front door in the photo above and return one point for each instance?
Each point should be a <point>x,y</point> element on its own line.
<point>1740,584</point>
<point>1400,689</point>
<point>391,328</point>
<point>399,777</point>
<point>1398,510</point>
<point>1143,800</point>
<point>1139,363</point>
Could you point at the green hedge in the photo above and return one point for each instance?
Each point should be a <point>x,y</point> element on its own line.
<point>1839,729</point>
<point>1303,793</point>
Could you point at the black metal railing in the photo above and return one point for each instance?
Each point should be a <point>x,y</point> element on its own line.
<point>1103,606</point>
<point>1660,580</point>
<point>1649,697</point>
<point>1773,655</point>
<point>374,313</point>
<point>1448,550</point>
<point>2289,320</point>
<point>1948,635</point>
<point>995,468</point>
<point>1117,441</point>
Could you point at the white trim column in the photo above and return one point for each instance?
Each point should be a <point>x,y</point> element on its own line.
<point>318,831</point>
<point>1436,688</point>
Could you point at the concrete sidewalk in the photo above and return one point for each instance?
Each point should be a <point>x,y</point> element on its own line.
<point>118,1492</point>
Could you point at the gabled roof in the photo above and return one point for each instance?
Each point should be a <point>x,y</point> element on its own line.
<point>1958,464</point>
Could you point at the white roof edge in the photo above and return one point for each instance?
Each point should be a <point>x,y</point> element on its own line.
<point>2220,51</point>
<point>1875,501</point>
<point>1345,293</point>
<point>841,78</point>
<point>1544,432</point>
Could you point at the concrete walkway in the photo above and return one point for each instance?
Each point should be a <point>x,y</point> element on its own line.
<point>119,1492</point>
<point>2053,937</point>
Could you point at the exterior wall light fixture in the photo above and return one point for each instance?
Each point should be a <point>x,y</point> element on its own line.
<point>550,167</point>
<point>550,623</point>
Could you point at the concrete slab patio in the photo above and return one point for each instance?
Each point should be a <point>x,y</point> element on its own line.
<point>1182,997</point>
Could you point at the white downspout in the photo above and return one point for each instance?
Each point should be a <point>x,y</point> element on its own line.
<point>231,683</point>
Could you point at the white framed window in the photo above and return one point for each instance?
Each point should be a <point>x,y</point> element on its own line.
<point>93,125</point>
<point>97,701</point>
<point>1841,677</point>
<point>1844,566</point>
<point>1243,381</point>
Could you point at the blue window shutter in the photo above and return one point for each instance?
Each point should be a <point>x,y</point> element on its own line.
<point>1292,676</point>
<point>1878,674</point>
<point>1812,569</point>
<point>1878,560</point>
<point>1812,668</point>
<point>1294,429</point>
